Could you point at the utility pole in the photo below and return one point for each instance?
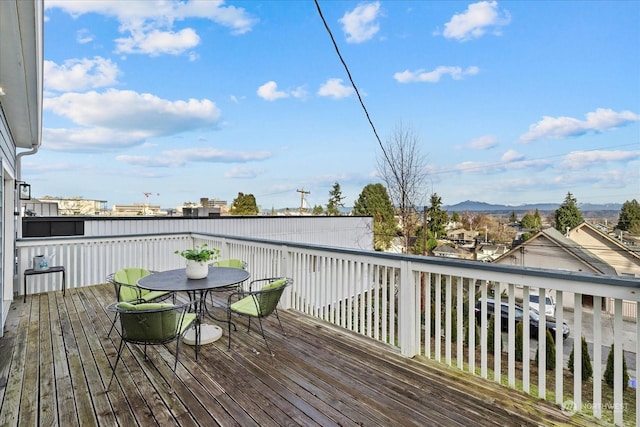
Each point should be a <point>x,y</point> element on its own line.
<point>302,201</point>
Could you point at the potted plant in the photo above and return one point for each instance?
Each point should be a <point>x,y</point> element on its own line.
<point>198,260</point>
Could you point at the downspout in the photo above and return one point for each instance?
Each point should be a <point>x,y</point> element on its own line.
<point>18,202</point>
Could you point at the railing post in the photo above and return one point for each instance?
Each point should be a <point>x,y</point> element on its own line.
<point>408,315</point>
<point>285,301</point>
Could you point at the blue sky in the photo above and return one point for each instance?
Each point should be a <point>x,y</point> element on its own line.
<point>513,102</point>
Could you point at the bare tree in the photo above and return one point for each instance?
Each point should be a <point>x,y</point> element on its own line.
<point>402,168</point>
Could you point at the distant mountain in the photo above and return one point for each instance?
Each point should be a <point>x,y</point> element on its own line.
<point>474,206</point>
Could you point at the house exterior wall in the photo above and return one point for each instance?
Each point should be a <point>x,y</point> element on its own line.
<point>541,253</point>
<point>7,172</point>
<point>340,231</point>
<point>617,256</point>
<point>21,66</point>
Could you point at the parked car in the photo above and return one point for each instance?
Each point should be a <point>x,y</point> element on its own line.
<point>550,304</point>
<point>534,318</point>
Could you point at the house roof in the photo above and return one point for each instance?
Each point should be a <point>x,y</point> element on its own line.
<point>576,251</point>
<point>608,240</point>
<point>21,66</point>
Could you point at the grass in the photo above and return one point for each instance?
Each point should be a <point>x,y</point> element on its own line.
<point>606,404</point>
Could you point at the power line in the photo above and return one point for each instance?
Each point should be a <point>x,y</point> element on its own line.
<point>355,88</point>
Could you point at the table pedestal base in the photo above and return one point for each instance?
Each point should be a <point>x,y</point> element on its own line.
<point>208,334</point>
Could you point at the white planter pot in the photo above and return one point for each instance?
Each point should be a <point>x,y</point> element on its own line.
<point>196,269</point>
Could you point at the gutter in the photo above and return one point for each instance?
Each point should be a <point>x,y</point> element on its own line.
<point>18,201</point>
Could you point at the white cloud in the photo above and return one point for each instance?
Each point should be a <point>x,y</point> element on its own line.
<point>157,42</point>
<point>456,73</point>
<point>84,36</point>
<point>208,154</point>
<point>95,139</point>
<point>476,21</point>
<point>483,143</point>
<point>583,159</point>
<point>360,24</point>
<point>149,24</point>
<point>242,173</point>
<point>269,91</point>
<point>148,161</point>
<point>177,158</point>
<point>335,89</point>
<point>563,127</point>
<point>512,156</point>
<point>124,118</point>
<point>80,74</point>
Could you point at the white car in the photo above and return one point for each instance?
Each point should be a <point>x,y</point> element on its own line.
<point>550,307</point>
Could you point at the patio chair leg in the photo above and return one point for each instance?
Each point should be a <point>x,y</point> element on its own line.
<point>175,367</point>
<point>278,317</point>
<point>113,325</point>
<point>229,324</point>
<point>265,338</point>
<point>113,374</point>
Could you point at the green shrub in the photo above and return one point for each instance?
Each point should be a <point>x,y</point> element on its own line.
<point>608,372</point>
<point>519,343</point>
<point>454,325</point>
<point>490,335</point>
<point>587,369</point>
<point>476,331</point>
<point>551,352</point>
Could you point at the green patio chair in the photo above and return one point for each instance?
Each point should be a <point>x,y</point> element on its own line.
<point>151,324</point>
<point>258,304</point>
<point>232,263</point>
<point>126,288</point>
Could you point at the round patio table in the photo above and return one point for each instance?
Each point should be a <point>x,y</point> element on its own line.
<point>177,281</point>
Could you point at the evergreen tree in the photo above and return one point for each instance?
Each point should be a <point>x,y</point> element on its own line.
<point>530,222</point>
<point>519,350</point>
<point>244,204</point>
<point>419,247</point>
<point>374,201</point>
<point>476,331</point>
<point>587,369</point>
<point>513,218</point>
<point>454,325</point>
<point>317,210</point>
<point>568,215</point>
<point>436,216</point>
<point>550,352</point>
<point>491,335</point>
<point>629,219</point>
<point>608,371</point>
<point>335,200</point>
<point>455,217</point>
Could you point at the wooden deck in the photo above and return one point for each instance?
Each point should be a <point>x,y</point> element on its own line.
<point>54,367</point>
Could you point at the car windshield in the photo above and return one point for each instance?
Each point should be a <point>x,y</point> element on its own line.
<point>534,315</point>
<point>534,298</point>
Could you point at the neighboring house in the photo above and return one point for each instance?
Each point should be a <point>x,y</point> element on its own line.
<point>608,249</point>
<point>77,205</point>
<point>486,252</point>
<point>21,65</point>
<point>461,235</point>
<point>550,249</point>
<point>445,251</point>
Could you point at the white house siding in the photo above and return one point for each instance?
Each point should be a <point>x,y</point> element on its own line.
<point>617,256</point>
<point>542,253</point>
<point>339,231</point>
<point>21,64</point>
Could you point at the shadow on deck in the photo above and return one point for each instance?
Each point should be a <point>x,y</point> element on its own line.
<point>54,366</point>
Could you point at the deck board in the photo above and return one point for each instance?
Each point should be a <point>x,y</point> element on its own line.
<point>56,358</point>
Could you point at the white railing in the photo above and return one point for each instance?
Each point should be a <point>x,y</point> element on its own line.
<point>419,304</point>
